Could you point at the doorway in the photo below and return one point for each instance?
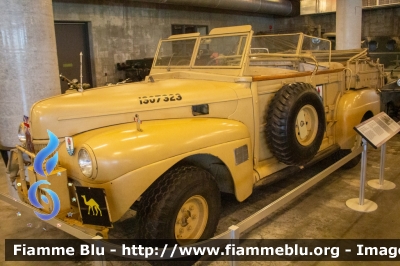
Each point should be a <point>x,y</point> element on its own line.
<point>72,38</point>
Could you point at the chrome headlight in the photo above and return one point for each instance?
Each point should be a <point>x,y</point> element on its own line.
<point>22,133</point>
<point>85,162</point>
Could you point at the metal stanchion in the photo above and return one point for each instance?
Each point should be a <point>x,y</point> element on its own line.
<point>361,204</point>
<point>101,262</point>
<point>234,236</point>
<point>381,183</point>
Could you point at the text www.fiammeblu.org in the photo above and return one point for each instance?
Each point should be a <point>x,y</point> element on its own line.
<point>231,250</point>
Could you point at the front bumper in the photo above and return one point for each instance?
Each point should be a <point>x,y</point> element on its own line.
<point>75,210</point>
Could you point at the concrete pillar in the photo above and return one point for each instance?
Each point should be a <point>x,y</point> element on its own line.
<point>29,67</point>
<point>348,24</point>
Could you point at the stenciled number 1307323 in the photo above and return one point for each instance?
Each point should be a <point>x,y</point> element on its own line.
<point>158,98</point>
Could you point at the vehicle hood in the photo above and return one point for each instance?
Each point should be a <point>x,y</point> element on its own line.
<point>70,114</point>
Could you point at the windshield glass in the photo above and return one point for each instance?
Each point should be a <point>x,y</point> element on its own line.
<point>175,52</point>
<point>271,44</point>
<point>221,51</point>
<point>314,44</point>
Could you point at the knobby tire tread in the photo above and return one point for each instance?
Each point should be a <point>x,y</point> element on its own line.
<point>162,195</point>
<point>276,129</point>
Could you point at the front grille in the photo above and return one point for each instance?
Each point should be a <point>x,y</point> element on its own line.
<point>38,147</point>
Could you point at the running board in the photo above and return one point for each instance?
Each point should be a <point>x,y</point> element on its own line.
<point>252,220</point>
<point>290,170</point>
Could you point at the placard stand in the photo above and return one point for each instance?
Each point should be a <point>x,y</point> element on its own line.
<point>381,183</point>
<point>360,204</point>
<point>377,131</point>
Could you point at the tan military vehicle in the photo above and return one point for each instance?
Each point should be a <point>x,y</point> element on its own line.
<point>218,113</point>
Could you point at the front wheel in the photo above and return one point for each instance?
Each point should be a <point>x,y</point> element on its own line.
<point>183,205</point>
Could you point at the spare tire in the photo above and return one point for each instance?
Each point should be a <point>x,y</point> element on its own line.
<point>295,124</point>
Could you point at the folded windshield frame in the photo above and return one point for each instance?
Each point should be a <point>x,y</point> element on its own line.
<point>291,45</point>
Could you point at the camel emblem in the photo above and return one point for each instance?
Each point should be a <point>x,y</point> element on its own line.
<point>92,206</point>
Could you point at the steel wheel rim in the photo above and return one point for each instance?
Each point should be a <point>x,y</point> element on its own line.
<point>306,125</point>
<point>191,220</point>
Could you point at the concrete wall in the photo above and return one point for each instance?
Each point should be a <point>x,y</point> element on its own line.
<point>375,22</point>
<point>124,30</point>
<point>381,22</point>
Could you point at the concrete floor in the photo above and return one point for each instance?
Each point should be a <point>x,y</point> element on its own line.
<point>320,213</point>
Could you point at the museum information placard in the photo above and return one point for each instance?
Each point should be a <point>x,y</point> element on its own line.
<point>378,129</point>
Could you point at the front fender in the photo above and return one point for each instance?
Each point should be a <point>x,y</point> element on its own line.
<point>123,148</point>
<point>123,191</point>
<point>129,161</point>
<point>351,109</point>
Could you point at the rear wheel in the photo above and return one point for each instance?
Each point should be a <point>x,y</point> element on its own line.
<point>353,162</point>
<point>182,206</point>
<point>357,143</point>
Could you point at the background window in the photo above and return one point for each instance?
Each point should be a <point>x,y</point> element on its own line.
<point>181,29</point>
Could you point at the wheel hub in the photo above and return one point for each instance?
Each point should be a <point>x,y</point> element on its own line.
<point>184,219</point>
<point>306,125</point>
<point>191,220</point>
